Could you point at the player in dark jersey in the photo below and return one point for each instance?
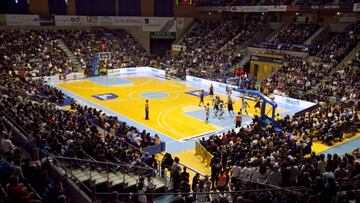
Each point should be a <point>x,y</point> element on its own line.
<point>257,105</point>
<point>211,93</point>
<point>216,106</point>
<point>201,97</point>
<point>230,106</point>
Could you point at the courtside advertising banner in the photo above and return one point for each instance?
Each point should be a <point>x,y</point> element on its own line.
<point>32,20</point>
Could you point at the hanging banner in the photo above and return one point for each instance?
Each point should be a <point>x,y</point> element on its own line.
<point>32,20</point>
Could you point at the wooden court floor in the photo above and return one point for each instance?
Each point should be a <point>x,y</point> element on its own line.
<point>168,101</point>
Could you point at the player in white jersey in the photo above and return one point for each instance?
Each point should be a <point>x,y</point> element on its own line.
<point>244,105</point>
<point>207,112</point>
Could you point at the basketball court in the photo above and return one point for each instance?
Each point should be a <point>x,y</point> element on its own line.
<point>174,110</point>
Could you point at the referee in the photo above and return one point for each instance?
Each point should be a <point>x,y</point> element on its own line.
<point>147,110</point>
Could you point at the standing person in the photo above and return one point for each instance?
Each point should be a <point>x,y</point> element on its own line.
<point>141,191</point>
<point>244,105</point>
<point>221,109</point>
<point>201,97</point>
<point>176,171</point>
<point>238,120</point>
<point>257,104</point>
<point>207,112</point>
<point>150,190</point>
<point>228,90</point>
<point>147,110</point>
<point>195,181</point>
<point>216,106</point>
<point>211,92</point>
<point>230,106</point>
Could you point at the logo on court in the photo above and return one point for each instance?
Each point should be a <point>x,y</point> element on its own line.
<point>105,96</point>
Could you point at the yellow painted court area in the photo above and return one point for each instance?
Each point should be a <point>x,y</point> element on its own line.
<point>167,114</point>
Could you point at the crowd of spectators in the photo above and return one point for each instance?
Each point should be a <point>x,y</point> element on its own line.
<point>213,56</point>
<point>292,37</point>
<point>85,44</point>
<point>296,77</point>
<point>23,179</point>
<point>262,155</point>
<point>75,133</point>
<point>343,85</point>
<point>32,52</point>
<point>295,33</point>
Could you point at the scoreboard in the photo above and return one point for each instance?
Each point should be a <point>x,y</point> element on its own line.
<point>185,2</point>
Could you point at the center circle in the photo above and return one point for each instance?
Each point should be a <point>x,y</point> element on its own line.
<point>154,95</point>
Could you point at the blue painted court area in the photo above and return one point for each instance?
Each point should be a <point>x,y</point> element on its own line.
<point>227,121</point>
<point>154,95</point>
<point>343,148</point>
<point>109,81</point>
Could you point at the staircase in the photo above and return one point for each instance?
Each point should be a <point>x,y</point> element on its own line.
<point>315,35</point>
<point>95,174</point>
<point>167,27</point>
<point>348,58</point>
<point>276,32</point>
<point>70,55</point>
<point>193,25</point>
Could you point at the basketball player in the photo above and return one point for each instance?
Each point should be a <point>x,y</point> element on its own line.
<point>228,90</point>
<point>201,97</point>
<point>257,105</point>
<point>221,109</point>
<point>147,110</point>
<point>211,93</point>
<point>238,120</point>
<point>216,106</point>
<point>244,105</point>
<point>230,106</point>
<point>207,112</point>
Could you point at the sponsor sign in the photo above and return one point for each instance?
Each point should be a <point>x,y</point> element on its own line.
<point>176,47</point>
<point>106,96</point>
<point>257,8</point>
<point>32,20</point>
<point>162,35</point>
<point>292,8</point>
<point>105,21</point>
<point>127,21</point>
<point>325,7</point>
<point>120,71</point>
<point>356,7</point>
<point>71,20</point>
<point>292,102</point>
<point>47,20</point>
<point>92,21</point>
